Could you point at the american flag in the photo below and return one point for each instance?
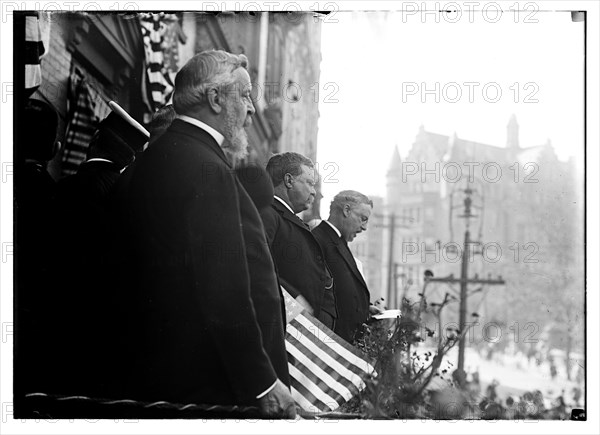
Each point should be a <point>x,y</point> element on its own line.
<point>325,370</point>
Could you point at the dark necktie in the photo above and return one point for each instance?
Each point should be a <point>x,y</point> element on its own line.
<point>303,223</point>
<point>345,243</point>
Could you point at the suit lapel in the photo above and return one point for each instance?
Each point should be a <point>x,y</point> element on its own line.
<point>288,215</point>
<point>344,251</point>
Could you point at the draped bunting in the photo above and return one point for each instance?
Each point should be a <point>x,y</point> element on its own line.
<point>34,49</point>
<point>161,33</point>
<point>87,108</point>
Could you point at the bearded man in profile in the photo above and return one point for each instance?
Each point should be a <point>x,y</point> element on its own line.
<point>205,322</point>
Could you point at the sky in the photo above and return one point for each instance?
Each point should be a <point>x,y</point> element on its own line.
<point>382,65</point>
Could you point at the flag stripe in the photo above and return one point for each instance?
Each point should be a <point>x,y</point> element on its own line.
<point>325,371</point>
<point>321,379</point>
<point>32,29</point>
<point>322,341</point>
<point>319,368</point>
<point>33,52</point>
<point>302,401</point>
<point>328,356</point>
<point>330,366</point>
<point>303,381</point>
<point>33,76</point>
<point>314,403</point>
<point>358,362</point>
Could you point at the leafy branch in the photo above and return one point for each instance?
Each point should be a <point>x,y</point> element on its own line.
<point>400,389</point>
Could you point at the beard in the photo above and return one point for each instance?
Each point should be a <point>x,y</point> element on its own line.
<point>236,145</point>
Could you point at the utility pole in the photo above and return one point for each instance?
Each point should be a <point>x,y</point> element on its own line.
<point>464,276</point>
<point>391,278</point>
<point>392,225</point>
<point>406,283</point>
<point>464,273</point>
<point>464,281</point>
<point>392,297</point>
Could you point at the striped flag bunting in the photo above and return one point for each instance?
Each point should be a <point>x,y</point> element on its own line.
<point>81,127</point>
<point>87,106</point>
<point>155,28</point>
<point>34,49</point>
<point>325,370</point>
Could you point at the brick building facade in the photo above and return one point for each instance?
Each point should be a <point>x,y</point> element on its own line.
<point>107,50</point>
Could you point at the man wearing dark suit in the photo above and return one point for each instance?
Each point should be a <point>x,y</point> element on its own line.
<point>298,257</point>
<point>84,250</point>
<point>84,198</point>
<point>34,192</point>
<point>196,311</point>
<point>257,184</point>
<point>349,214</point>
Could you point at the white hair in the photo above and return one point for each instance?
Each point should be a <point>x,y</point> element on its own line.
<point>207,70</point>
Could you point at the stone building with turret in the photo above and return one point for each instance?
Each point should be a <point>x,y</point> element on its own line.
<point>527,206</point>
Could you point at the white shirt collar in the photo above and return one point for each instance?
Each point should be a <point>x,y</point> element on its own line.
<point>98,159</point>
<point>207,128</point>
<point>334,228</point>
<point>284,203</point>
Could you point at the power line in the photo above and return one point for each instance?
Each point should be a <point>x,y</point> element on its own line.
<point>464,281</point>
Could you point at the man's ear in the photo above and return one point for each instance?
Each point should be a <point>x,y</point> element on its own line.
<point>346,210</point>
<point>215,100</point>
<point>56,147</point>
<point>288,180</point>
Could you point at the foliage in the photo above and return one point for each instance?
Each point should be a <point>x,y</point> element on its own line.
<point>400,389</point>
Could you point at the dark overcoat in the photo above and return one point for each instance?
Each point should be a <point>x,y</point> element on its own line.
<point>195,310</point>
<point>298,257</point>
<point>351,291</point>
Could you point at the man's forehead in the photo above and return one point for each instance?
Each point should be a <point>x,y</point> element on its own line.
<point>242,77</point>
<point>308,171</point>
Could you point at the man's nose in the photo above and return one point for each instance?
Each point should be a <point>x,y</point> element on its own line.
<point>251,108</point>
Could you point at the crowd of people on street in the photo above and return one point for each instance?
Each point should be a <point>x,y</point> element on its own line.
<point>478,401</point>
<point>536,355</point>
<point>531,405</point>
